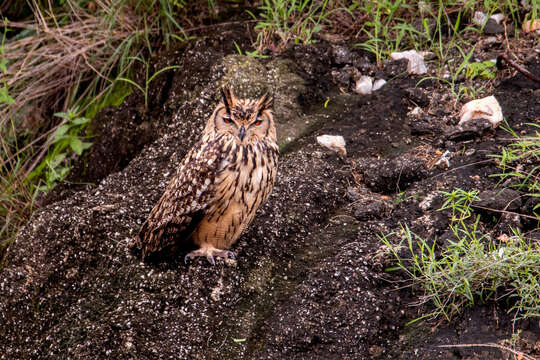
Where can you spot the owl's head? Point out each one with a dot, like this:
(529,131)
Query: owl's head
(248,121)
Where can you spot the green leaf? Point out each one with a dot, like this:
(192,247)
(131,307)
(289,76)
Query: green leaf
(56,160)
(80,121)
(60,132)
(3,66)
(62,115)
(77,145)
(4,96)
(239,340)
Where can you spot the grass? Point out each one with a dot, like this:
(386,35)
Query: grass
(470,270)
(65,60)
(519,161)
(147,78)
(473,267)
(281,22)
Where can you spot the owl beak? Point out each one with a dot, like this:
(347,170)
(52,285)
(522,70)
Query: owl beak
(242,133)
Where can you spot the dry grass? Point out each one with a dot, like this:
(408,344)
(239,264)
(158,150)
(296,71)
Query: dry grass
(65,50)
(54,62)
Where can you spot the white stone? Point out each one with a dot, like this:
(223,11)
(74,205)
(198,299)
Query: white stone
(364,85)
(333,142)
(486,108)
(416,61)
(479,18)
(379,83)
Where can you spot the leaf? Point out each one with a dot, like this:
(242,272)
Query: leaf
(77,145)
(4,96)
(239,340)
(3,66)
(62,115)
(60,132)
(80,121)
(57,160)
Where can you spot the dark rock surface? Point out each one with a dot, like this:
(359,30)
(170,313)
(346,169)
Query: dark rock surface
(309,279)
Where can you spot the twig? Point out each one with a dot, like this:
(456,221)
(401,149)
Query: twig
(518,67)
(492,345)
(505,212)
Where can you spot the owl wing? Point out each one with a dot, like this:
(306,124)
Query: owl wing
(182,206)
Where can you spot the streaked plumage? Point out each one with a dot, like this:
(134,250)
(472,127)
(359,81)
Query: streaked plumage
(220,183)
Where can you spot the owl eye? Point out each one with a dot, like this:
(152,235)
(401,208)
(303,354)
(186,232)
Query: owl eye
(258,122)
(227,119)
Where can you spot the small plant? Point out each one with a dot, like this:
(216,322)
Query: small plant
(520,161)
(484,70)
(384,37)
(471,269)
(253,54)
(290,20)
(147,77)
(66,139)
(459,201)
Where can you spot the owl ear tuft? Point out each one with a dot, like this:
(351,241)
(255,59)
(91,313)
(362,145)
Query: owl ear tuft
(228,97)
(266,101)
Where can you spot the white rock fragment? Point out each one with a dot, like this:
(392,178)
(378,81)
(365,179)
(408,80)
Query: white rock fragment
(378,84)
(486,108)
(364,85)
(479,18)
(444,161)
(333,142)
(499,17)
(416,61)
(415,112)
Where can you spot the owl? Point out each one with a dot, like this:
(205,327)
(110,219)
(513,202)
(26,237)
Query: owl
(219,184)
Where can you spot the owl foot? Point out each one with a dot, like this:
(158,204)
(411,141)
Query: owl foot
(209,253)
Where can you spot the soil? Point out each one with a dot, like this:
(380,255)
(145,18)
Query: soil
(309,279)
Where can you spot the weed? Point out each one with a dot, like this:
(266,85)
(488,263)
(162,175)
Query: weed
(471,269)
(459,201)
(484,70)
(147,78)
(519,161)
(290,20)
(65,140)
(255,53)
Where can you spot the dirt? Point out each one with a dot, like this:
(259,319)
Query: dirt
(309,281)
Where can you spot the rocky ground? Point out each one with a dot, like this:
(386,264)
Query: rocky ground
(308,281)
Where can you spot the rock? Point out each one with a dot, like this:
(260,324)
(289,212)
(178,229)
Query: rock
(492,202)
(531,25)
(341,55)
(364,85)
(394,174)
(485,108)
(493,28)
(395,67)
(469,130)
(377,84)
(415,63)
(370,208)
(334,143)
(417,96)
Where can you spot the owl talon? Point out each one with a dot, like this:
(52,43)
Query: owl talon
(209,254)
